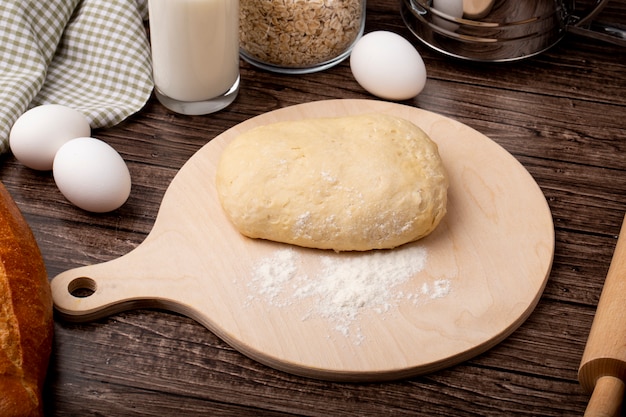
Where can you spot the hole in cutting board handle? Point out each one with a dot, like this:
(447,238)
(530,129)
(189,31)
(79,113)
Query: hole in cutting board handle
(82,287)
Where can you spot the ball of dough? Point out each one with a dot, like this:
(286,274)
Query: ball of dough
(351,183)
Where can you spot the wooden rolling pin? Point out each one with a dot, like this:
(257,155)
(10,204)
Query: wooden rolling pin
(602,369)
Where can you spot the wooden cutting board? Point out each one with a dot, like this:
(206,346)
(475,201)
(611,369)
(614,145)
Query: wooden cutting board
(482,270)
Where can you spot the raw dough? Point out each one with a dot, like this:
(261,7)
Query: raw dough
(350,183)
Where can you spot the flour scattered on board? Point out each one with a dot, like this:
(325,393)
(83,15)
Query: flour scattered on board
(345,285)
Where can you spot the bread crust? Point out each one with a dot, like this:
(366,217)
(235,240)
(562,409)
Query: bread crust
(26,318)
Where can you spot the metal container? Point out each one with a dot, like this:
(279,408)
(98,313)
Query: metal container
(494,30)
(299,36)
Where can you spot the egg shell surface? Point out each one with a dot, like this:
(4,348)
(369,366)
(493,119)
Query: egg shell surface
(453,8)
(91,175)
(388,66)
(37,135)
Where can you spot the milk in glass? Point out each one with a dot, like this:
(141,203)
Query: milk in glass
(195,53)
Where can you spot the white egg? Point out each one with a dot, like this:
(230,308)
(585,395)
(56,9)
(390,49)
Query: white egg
(91,175)
(451,10)
(38,133)
(388,66)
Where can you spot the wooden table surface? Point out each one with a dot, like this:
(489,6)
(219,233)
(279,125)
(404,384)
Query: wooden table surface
(561,114)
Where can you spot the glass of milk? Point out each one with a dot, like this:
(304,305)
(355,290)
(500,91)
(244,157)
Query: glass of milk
(195,53)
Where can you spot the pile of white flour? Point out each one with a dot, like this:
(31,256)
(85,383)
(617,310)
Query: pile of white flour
(345,285)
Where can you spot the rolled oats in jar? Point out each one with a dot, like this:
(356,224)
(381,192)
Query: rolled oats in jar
(299,36)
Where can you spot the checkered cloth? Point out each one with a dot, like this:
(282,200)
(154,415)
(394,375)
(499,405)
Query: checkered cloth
(92,55)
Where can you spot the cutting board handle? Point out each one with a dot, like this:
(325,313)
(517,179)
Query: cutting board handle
(92,292)
(143,278)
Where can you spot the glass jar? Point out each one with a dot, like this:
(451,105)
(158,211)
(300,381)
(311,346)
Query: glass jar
(299,36)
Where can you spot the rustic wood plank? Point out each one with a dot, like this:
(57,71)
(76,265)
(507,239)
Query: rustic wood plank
(183,359)
(561,114)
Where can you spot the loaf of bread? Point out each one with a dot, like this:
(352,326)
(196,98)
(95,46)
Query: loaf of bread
(26,324)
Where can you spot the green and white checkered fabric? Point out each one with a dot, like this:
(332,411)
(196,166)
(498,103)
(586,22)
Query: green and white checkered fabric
(92,55)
